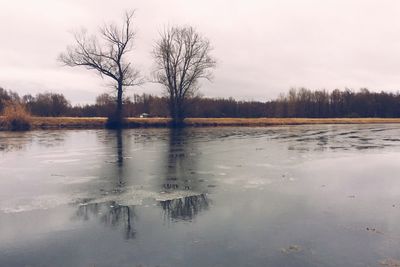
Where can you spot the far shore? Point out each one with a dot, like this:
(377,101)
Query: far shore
(99,122)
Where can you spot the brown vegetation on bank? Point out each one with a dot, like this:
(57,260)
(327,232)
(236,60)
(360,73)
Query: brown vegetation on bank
(99,122)
(15,118)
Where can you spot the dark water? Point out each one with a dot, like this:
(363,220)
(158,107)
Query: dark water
(280,196)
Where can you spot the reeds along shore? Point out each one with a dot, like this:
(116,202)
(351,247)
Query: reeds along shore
(99,122)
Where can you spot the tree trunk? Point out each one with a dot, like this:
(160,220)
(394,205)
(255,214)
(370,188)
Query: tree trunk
(115,121)
(176,113)
(119,104)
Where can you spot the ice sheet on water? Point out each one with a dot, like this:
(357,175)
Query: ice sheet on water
(136,195)
(60,154)
(132,196)
(223,167)
(51,161)
(62,179)
(42,202)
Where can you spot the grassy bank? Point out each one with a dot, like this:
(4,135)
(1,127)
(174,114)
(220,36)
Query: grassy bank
(93,123)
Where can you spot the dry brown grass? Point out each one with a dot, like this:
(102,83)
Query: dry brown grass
(15,118)
(68,122)
(284,121)
(99,122)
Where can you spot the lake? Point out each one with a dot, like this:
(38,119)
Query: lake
(322,195)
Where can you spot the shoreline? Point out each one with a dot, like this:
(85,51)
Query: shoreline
(99,122)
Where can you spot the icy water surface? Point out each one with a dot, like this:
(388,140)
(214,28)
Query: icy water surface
(280,196)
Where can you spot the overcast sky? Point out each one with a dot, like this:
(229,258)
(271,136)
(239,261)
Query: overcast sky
(262,47)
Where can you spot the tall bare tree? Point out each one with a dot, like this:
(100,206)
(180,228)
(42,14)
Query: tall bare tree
(106,54)
(182,57)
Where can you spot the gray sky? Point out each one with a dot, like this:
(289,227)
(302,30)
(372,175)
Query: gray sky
(263,48)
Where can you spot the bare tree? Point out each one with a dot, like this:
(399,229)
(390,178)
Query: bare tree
(107,54)
(182,57)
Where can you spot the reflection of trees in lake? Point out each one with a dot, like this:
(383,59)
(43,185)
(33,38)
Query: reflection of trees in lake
(110,214)
(120,159)
(113,168)
(181,174)
(185,208)
(180,164)
(120,148)
(178,185)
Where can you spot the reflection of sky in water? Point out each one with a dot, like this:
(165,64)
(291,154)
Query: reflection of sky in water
(280,196)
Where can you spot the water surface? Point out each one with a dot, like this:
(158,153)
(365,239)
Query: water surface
(326,195)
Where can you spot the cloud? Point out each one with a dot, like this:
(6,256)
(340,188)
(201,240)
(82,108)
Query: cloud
(262,47)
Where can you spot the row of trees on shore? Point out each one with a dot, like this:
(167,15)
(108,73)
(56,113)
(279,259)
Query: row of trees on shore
(296,103)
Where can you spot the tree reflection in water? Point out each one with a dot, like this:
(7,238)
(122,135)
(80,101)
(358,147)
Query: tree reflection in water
(110,214)
(181,174)
(185,208)
(180,193)
(120,161)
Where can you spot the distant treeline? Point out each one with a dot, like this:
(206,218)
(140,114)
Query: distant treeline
(345,103)
(296,103)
